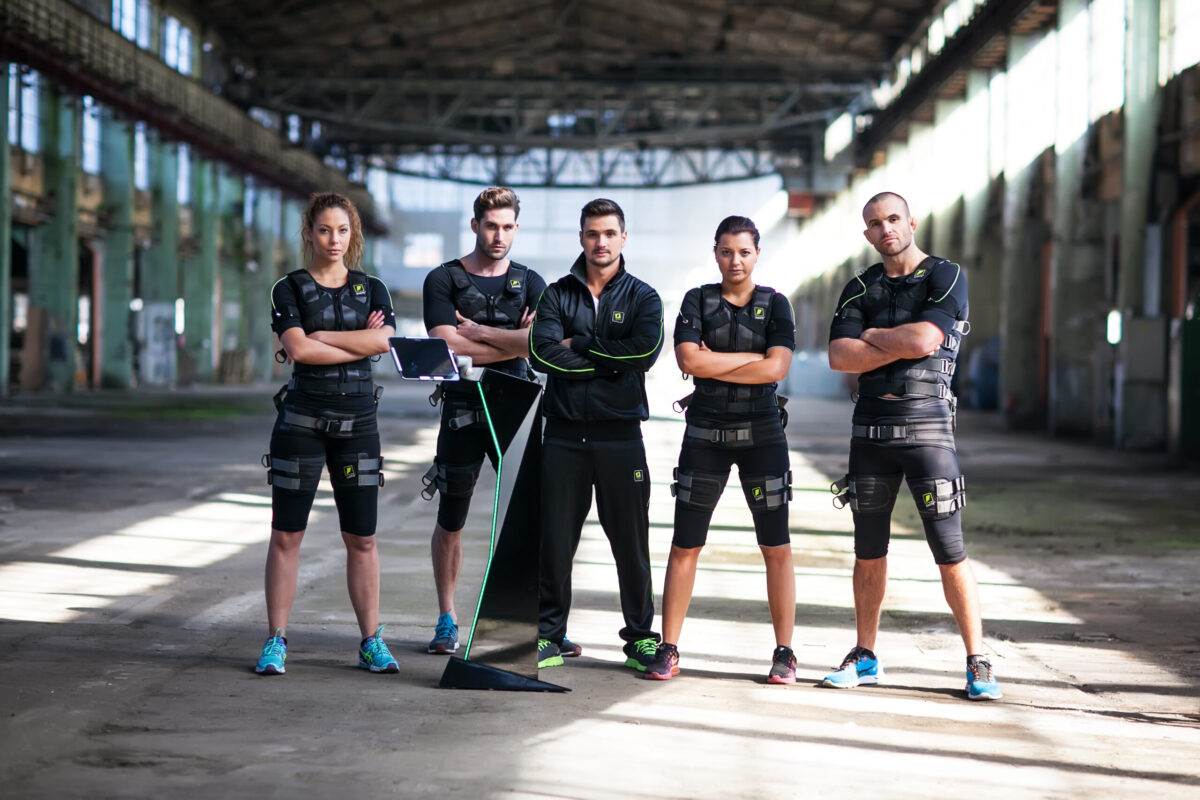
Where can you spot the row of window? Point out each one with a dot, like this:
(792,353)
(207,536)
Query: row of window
(1179,37)
(24,131)
(134,19)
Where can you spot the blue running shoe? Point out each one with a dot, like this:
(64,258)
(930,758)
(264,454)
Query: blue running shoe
(548,654)
(445,636)
(373,654)
(860,667)
(568,649)
(981,683)
(641,654)
(274,653)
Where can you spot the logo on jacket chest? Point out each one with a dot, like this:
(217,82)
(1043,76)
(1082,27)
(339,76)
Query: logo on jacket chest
(618,316)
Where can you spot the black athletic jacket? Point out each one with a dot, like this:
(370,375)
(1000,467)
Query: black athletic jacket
(601,377)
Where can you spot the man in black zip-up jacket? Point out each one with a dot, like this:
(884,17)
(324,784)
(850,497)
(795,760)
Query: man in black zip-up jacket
(596,332)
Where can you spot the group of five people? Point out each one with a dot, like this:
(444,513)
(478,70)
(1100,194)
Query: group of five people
(594,333)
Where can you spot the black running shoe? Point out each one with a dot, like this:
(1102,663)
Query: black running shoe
(783,666)
(665,664)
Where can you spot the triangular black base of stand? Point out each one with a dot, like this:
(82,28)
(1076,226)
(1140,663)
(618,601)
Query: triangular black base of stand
(461,674)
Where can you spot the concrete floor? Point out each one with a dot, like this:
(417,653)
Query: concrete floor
(132,534)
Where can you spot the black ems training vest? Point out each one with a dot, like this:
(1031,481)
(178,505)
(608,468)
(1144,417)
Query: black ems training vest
(498,312)
(503,311)
(726,331)
(345,309)
(887,304)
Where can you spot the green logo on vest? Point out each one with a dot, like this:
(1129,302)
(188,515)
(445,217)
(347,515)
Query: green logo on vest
(358,288)
(514,283)
(348,471)
(919,273)
(928,498)
(757,492)
(759,312)
(638,476)
(618,316)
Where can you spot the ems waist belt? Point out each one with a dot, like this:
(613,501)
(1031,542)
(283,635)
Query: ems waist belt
(922,431)
(877,387)
(331,423)
(739,435)
(717,403)
(304,383)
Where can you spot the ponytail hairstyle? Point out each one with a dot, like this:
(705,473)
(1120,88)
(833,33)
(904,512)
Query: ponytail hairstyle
(323,201)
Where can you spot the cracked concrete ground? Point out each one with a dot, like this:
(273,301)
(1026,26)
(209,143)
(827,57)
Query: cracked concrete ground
(132,536)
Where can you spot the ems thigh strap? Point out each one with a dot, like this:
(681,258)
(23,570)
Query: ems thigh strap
(938,498)
(767,492)
(301,473)
(866,494)
(698,489)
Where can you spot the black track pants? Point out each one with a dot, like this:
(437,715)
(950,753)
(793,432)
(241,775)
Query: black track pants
(617,470)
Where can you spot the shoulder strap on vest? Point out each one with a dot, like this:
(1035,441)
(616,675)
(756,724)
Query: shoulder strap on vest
(305,283)
(457,274)
(710,300)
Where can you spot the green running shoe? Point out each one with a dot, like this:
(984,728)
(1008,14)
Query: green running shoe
(373,654)
(640,654)
(548,654)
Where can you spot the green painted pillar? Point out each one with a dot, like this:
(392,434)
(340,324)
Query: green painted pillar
(369,250)
(260,341)
(231,275)
(200,275)
(5,237)
(116,290)
(160,272)
(1141,375)
(289,224)
(54,272)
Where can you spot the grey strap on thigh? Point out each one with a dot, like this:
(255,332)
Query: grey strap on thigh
(767,492)
(698,489)
(938,498)
(302,473)
(865,493)
(359,470)
(451,481)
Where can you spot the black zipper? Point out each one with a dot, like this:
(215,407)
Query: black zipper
(339,322)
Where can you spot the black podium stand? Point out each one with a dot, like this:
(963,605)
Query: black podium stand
(501,650)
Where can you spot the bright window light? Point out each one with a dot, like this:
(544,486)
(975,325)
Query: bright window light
(1113,328)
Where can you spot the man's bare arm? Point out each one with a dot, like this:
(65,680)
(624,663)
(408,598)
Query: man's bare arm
(857,355)
(514,343)
(911,340)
